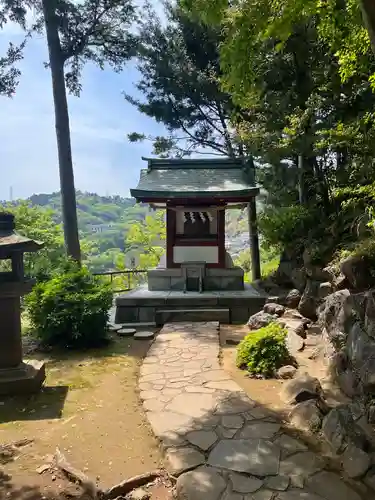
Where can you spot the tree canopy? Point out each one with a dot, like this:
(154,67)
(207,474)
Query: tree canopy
(180,86)
(347,27)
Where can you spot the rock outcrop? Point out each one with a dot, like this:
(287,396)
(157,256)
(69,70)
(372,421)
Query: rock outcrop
(340,309)
(348,322)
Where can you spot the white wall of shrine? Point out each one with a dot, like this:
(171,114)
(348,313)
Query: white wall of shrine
(208,254)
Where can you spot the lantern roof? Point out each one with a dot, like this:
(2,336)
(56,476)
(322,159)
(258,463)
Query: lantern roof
(223,178)
(11,241)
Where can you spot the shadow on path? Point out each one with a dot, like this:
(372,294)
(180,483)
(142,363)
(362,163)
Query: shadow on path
(221,444)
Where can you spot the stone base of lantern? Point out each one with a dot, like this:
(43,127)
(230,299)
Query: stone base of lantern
(27,378)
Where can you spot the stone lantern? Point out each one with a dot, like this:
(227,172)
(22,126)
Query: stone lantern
(16,376)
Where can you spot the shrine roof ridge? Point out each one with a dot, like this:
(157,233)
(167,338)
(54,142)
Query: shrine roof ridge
(198,163)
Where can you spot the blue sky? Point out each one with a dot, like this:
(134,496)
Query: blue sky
(104,161)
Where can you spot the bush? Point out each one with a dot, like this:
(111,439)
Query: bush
(70,309)
(264,351)
(282,226)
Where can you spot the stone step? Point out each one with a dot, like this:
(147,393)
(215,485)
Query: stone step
(149,324)
(179,315)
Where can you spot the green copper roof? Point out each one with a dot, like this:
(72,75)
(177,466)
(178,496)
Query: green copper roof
(194,178)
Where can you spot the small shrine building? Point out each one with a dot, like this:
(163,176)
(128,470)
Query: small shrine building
(195,194)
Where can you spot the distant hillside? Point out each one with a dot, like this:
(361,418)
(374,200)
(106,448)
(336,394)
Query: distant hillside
(104,220)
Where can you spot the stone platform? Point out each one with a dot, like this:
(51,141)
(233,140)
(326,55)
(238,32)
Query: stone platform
(27,378)
(143,305)
(218,442)
(215,279)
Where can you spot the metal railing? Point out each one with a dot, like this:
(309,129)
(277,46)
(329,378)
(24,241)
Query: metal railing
(126,280)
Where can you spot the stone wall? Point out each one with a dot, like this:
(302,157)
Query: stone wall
(342,302)
(348,322)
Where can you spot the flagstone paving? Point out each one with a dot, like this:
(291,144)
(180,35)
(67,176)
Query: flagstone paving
(220,443)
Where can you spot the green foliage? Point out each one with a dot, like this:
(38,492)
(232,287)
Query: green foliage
(148,237)
(70,310)
(38,224)
(103,223)
(364,248)
(300,73)
(269,261)
(263,351)
(269,267)
(282,227)
(248,23)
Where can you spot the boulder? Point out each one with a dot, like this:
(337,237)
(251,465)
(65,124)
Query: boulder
(309,300)
(302,388)
(333,315)
(294,323)
(293,298)
(307,257)
(260,319)
(313,329)
(286,372)
(355,462)
(370,313)
(290,270)
(367,431)
(306,416)
(356,270)
(331,272)
(273,300)
(297,315)
(298,278)
(316,273)
(298,327)
(274,309)
(357,409)
(341,283)
(325,289)
(370,479)
(361,353)
(347,383)
(334,428)
(340,429)
(138,494)
(294,343)
(371,414)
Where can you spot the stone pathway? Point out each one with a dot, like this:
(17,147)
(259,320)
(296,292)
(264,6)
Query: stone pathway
(220,443)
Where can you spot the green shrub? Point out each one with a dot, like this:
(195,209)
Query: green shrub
(282,226)
(263,351)
(70,309)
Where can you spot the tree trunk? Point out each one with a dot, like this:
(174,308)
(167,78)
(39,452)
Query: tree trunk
(68,195)
(254,240)
(368,14)
(302,181)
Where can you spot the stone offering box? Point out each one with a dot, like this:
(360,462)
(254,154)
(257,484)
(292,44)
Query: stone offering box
(16,376)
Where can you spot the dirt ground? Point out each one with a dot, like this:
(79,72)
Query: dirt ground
(267,392)
(90,410)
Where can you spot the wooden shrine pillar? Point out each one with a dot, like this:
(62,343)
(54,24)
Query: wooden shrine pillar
(254,240)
